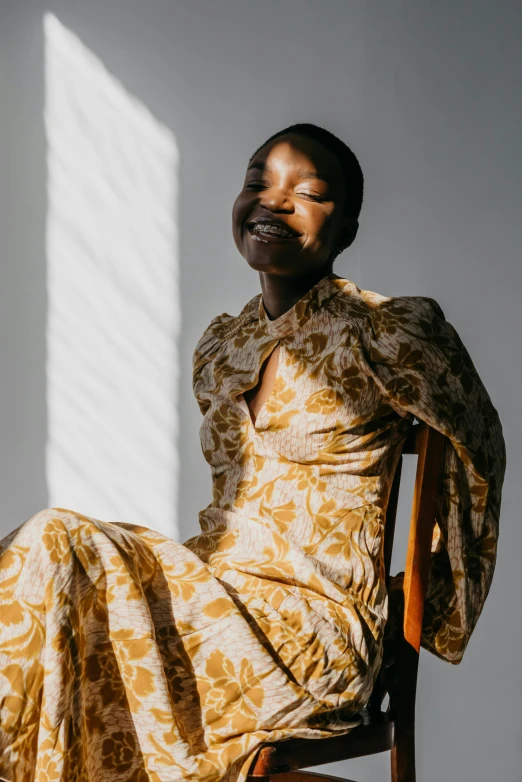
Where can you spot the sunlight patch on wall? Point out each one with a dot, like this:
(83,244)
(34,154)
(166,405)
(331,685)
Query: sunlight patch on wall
(113,294)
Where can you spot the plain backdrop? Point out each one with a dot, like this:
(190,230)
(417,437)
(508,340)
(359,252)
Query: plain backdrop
(428,96)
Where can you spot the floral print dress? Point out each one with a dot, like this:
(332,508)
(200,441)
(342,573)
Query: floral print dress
(127,657)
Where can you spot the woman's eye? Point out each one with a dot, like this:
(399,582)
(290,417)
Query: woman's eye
(313,196)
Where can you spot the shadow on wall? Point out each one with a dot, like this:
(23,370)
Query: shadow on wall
(113,317)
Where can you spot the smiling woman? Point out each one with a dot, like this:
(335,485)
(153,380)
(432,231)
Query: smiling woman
(302,195)
(127,656)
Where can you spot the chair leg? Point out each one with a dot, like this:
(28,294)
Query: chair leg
(403,756)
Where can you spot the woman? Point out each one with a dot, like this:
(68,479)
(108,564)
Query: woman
(126,656)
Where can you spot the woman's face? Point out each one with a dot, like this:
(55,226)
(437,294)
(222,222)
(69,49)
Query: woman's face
(289,216)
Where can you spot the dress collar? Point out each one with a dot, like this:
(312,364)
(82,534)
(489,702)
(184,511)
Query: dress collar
(294,318)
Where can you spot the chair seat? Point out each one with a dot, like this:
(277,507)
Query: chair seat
(376,734)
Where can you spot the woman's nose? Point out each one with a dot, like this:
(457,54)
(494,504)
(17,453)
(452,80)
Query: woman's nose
(276,200)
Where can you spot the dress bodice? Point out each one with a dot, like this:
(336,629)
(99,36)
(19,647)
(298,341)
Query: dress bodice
(306,484)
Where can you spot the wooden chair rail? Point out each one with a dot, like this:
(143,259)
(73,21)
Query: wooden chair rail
(294,754)
(304,776)
(429,446)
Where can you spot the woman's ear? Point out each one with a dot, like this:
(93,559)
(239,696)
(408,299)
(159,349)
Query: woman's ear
(348,233)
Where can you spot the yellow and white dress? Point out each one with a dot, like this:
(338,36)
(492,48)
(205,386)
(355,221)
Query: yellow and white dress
(127,657)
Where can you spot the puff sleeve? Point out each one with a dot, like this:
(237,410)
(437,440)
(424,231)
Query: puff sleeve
(206,348)
(421,366)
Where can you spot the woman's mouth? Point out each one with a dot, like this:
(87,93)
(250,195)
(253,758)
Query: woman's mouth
(270,231)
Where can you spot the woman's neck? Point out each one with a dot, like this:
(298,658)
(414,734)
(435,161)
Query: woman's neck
(281,293)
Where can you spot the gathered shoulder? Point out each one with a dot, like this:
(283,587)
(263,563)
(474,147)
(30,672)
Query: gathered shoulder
(212,335)
(381,313)
(414,306)
(220,329)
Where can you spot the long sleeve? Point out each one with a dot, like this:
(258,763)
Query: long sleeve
(421,366)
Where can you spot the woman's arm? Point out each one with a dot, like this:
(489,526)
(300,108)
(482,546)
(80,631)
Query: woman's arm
(420,364)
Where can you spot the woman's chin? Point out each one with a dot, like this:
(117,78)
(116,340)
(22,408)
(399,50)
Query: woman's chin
(272,261)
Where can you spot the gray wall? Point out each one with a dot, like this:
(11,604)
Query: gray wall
(426,93)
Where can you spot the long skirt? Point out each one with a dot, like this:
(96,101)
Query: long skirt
(123,659)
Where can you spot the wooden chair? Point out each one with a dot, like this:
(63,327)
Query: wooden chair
(392,728)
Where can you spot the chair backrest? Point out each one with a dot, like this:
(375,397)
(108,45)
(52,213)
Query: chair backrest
(428,445)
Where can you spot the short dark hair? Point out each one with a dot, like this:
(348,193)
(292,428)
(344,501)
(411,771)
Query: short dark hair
(351,169)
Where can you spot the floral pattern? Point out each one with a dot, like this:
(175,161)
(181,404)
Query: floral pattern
(127,657)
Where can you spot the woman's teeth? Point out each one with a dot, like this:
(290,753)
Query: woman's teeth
(271,230)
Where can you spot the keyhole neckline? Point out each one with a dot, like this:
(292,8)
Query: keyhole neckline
(240,395)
